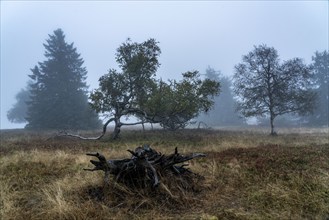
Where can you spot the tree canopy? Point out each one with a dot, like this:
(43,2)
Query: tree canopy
(59,97)
(264,86)
(174,104)
(134,91)
(123,93)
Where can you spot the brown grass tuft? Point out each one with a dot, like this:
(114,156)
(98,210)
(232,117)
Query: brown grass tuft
(247,175)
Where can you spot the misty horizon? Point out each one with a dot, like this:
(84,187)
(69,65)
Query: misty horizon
(191,35)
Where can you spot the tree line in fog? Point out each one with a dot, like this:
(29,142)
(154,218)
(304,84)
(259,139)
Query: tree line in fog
(262,86)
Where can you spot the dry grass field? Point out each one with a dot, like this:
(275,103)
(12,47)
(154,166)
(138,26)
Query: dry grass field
(246,175)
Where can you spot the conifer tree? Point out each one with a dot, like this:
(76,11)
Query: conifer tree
(59,97)
(223,112)
(320,67)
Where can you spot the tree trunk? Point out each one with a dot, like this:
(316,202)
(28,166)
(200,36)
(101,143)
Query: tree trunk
(272,124)
(117,128)
(143,126)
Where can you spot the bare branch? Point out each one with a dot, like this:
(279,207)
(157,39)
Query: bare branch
(66,134)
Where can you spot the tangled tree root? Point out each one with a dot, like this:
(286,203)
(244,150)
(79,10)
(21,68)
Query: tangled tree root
(147,179)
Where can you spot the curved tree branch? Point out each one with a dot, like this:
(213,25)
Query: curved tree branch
(66,134)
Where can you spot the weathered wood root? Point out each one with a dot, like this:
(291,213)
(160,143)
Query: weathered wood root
(144,168)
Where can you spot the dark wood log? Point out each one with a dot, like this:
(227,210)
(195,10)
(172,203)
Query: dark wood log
(144,168)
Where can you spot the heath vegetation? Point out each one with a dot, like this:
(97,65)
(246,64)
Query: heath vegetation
(246,175)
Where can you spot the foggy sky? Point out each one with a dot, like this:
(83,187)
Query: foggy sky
(192,34)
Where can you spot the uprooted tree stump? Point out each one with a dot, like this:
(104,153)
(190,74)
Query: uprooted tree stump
(146,168)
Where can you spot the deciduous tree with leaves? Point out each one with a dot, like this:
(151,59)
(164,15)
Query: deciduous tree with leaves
(124,93)
(174,104)
(265,86)
(134,91)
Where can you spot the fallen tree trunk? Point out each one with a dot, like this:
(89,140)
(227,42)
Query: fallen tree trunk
(145,167)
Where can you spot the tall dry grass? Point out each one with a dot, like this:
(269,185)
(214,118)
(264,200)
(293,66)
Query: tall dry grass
(247,175)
